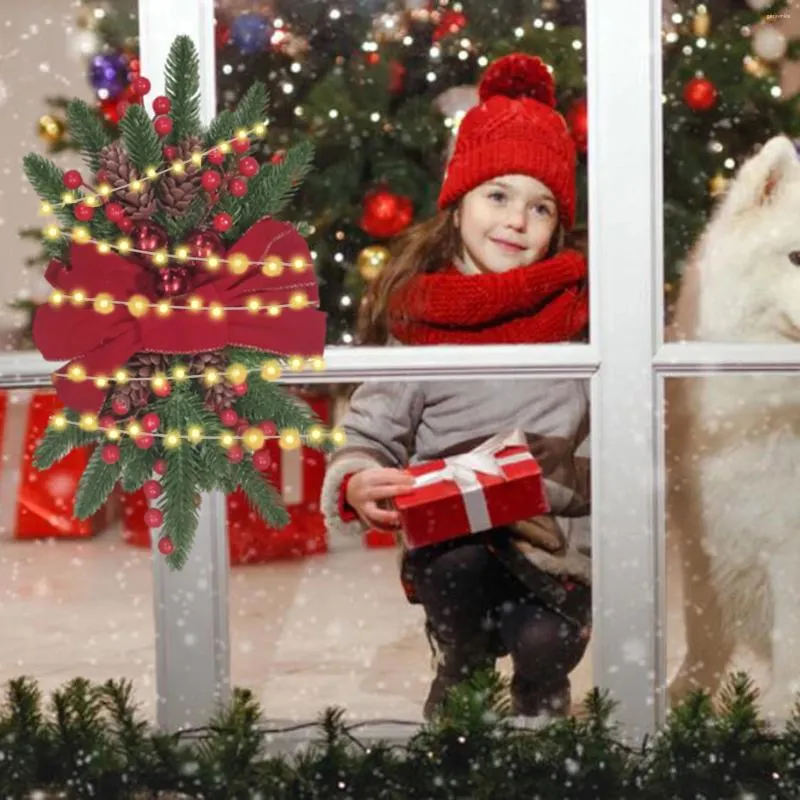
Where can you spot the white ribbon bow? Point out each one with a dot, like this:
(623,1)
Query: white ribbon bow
(463,469)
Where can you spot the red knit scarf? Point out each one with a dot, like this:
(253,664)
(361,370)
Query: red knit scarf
(544,302)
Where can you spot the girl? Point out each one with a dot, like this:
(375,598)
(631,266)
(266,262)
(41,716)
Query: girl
(488,269)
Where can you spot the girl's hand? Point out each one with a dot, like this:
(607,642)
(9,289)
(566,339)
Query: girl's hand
(370,486)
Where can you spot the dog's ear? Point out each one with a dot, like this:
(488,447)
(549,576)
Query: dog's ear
(761,176)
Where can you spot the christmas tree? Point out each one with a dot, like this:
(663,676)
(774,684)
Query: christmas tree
(178,299)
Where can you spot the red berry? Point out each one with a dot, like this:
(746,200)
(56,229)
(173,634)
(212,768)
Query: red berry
(126,225)
(72,179)
(134,65)
(242,426)
(150,422)
(170,152)
(261,460)
(238,187)
(160,467)
(248,166)
(228,417)
(164,390)
(153,518)
(107,422)
(240,145)
(110,454)
(211,180)
(102,176)
(269,428)
(277,156)
(83,213)
(114,212)
(216,156)
(151,489)
(240,389)
(163,125)
(162,105)
(122,107)
(222,222)
(144,441)
(140,86)
(120,407)
(165,546)
(235,454)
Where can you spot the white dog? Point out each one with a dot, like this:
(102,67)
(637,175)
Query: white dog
(733,441)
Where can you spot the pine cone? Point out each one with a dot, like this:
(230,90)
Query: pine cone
(136,393)
(177,192)
(221,395)
(116,163)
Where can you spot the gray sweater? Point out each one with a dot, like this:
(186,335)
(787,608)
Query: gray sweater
(398,424)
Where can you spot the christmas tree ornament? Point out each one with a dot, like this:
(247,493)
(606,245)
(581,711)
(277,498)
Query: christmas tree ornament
(756,67)
(131,349)
(385,214)
(769,42)
(700,94)
(451,23)
(108,74)
(251,32)
(717,185)
(371,261)
(51,129)
(701,22)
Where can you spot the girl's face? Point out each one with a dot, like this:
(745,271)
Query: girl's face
(506,223)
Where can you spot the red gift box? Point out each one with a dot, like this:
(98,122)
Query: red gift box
(33,503)
(497,483)
(299,474)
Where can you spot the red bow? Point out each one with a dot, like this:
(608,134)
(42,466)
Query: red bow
(102,343)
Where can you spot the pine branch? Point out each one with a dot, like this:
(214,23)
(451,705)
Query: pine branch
(183,89)
(137,465)
(252,108)
(140,138)
(222,128)
(262,495)
(57,444)
(178,227)
(88,131)
(96,484)
(48,182)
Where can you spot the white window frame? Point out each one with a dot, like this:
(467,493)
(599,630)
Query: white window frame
(627,362)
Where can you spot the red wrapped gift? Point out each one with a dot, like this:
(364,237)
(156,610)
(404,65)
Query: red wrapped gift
(497,483)
(36,504)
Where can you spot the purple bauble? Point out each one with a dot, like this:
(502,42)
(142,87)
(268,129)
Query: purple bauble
(108,72)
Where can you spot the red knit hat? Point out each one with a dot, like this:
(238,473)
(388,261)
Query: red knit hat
(514,130)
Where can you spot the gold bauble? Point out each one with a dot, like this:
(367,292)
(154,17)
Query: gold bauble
(371,260)
(718,184)
(701,23)
(51,129)
(754,66)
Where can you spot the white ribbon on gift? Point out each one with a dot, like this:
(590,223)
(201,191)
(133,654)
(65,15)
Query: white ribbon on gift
(463,469)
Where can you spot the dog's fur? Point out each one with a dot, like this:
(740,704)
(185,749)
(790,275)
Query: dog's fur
(733,440)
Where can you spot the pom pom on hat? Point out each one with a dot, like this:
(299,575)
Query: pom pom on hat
(518,75)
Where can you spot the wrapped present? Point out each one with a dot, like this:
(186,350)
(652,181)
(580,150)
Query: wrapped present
(298,473)
(497,483)
(36,504)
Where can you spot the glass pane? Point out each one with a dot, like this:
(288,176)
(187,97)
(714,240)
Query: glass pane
(728,93)
(732,516)
(330,611)
(381,89)
(77,601)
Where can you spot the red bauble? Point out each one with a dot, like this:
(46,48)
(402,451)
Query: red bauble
(141,86)
(72,179)
(450,23)
(163,125)
(240,145)
(222,222)
(261,460)
(700,94)
(248,166)
(204,244)
(211,180)
(269,428)
(372,58)
(228,417)
(110,454)
(215,156)
(144,441)
(153,518)
(110,111)
(240,389)
(151,422)
(238,187)
(160,467)
(385,214)
(162,391)
(83,213)
(165,545)
(149,237)
(578,122)
(121,406)
(235,454)
(397,77)
(162,105)
(152,489)
(222,34)
(114,212)
(172,281)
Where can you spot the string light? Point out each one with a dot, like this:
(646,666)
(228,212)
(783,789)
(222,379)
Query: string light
(177,167)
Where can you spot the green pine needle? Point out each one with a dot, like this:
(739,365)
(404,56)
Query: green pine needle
(48,182)
(263,497)
(88,131)
(140,138)
(183,89)
(57,444)
(96,484)
(137,465)
(252,108)
(222,128)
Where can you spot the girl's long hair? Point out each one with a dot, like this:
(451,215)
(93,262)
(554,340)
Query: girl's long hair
(427,246)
